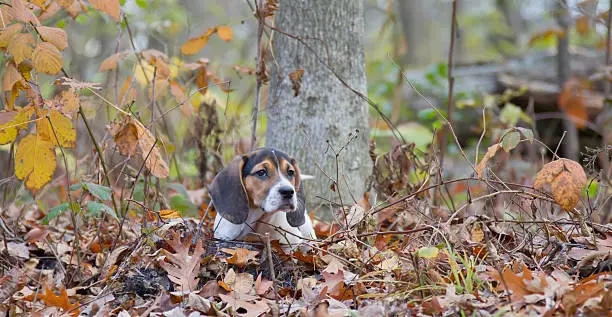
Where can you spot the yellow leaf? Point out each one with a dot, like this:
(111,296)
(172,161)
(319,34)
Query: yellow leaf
(66,134)
(110,7)
(546,35)
(55,36)
(20,47)
(8,32)
(11,77)
(225,33)
(179,93)
(564,179)
(35,161)
(169,214)
(10,124)
(143,74)
(112,61)
(483,163)
(47,58)
(194,44)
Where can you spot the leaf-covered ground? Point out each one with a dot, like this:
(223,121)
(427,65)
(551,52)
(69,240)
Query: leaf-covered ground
(362,266)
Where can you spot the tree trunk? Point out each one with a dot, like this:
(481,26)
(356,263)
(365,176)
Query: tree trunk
(325,110)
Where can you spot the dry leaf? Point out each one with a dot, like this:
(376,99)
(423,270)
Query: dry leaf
(182,267)
(240,256)
(573,100)
(202,80)
(546,35)
(126,138)
(564,179)
(296,81)
(179,93)
(11,77)
(20,46)
(161,86)
(225,33)
(67,101)
(169,214)
(583,25)
(131,95)
(490,153)
(112,61)
(35,161)
(110,7)
(47,58)
(55,36)
(8,32)
(50,299)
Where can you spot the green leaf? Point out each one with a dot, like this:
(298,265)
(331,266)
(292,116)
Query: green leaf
(54,212)
(427,252)
(179,188)
(526,133)
(182,204)
(142,3)
(510,114)
(100,192)
(95,208)
(76,186)
(427,114)
(510,140)
(443,70)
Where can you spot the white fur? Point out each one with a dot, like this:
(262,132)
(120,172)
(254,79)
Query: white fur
(268,218)
(274,199)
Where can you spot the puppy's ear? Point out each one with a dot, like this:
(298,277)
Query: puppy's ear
(298,217)
(228,193)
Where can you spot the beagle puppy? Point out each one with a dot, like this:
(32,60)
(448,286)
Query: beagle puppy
(261,192)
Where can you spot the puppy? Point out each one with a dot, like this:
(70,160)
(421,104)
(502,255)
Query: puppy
(261,192)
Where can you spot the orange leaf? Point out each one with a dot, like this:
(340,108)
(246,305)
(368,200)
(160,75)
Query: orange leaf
(20,46)
(131,95)
(55,36)
(225,33)
(110,7)
(490,153)
(240,256)
(296,80)
(169,214)
(11,77)
(202,80)
(573,100)
(47,58)
(564,179)
(112,61)
(195,44)
(179,93)
(50,299)
(8,32)
(582,25)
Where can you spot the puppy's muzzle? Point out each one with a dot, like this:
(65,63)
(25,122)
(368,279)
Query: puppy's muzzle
(286,192)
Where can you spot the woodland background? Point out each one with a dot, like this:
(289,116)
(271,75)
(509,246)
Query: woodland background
(478,182)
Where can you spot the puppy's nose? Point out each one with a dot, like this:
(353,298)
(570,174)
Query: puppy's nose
(286,192)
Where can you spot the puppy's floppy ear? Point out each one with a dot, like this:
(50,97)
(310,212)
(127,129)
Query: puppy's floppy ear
(298,217)
(228,193)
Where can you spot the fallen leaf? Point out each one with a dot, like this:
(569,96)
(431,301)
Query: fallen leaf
(169,214)
(182,267)
(240,256)
(48,297)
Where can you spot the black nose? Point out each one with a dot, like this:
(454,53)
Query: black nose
(286,192)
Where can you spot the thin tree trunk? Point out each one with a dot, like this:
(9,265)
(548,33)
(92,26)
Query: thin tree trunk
(571,142)
(325,112)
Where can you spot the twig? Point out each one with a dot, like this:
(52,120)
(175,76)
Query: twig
(258,73)
(451,82)
(75,225)
(271,265)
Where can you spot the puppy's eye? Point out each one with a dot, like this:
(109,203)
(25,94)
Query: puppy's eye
(261,173)
(291,173)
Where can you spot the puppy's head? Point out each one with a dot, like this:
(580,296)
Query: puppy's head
(265,178)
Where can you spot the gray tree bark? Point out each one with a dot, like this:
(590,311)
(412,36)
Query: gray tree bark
(325,110)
